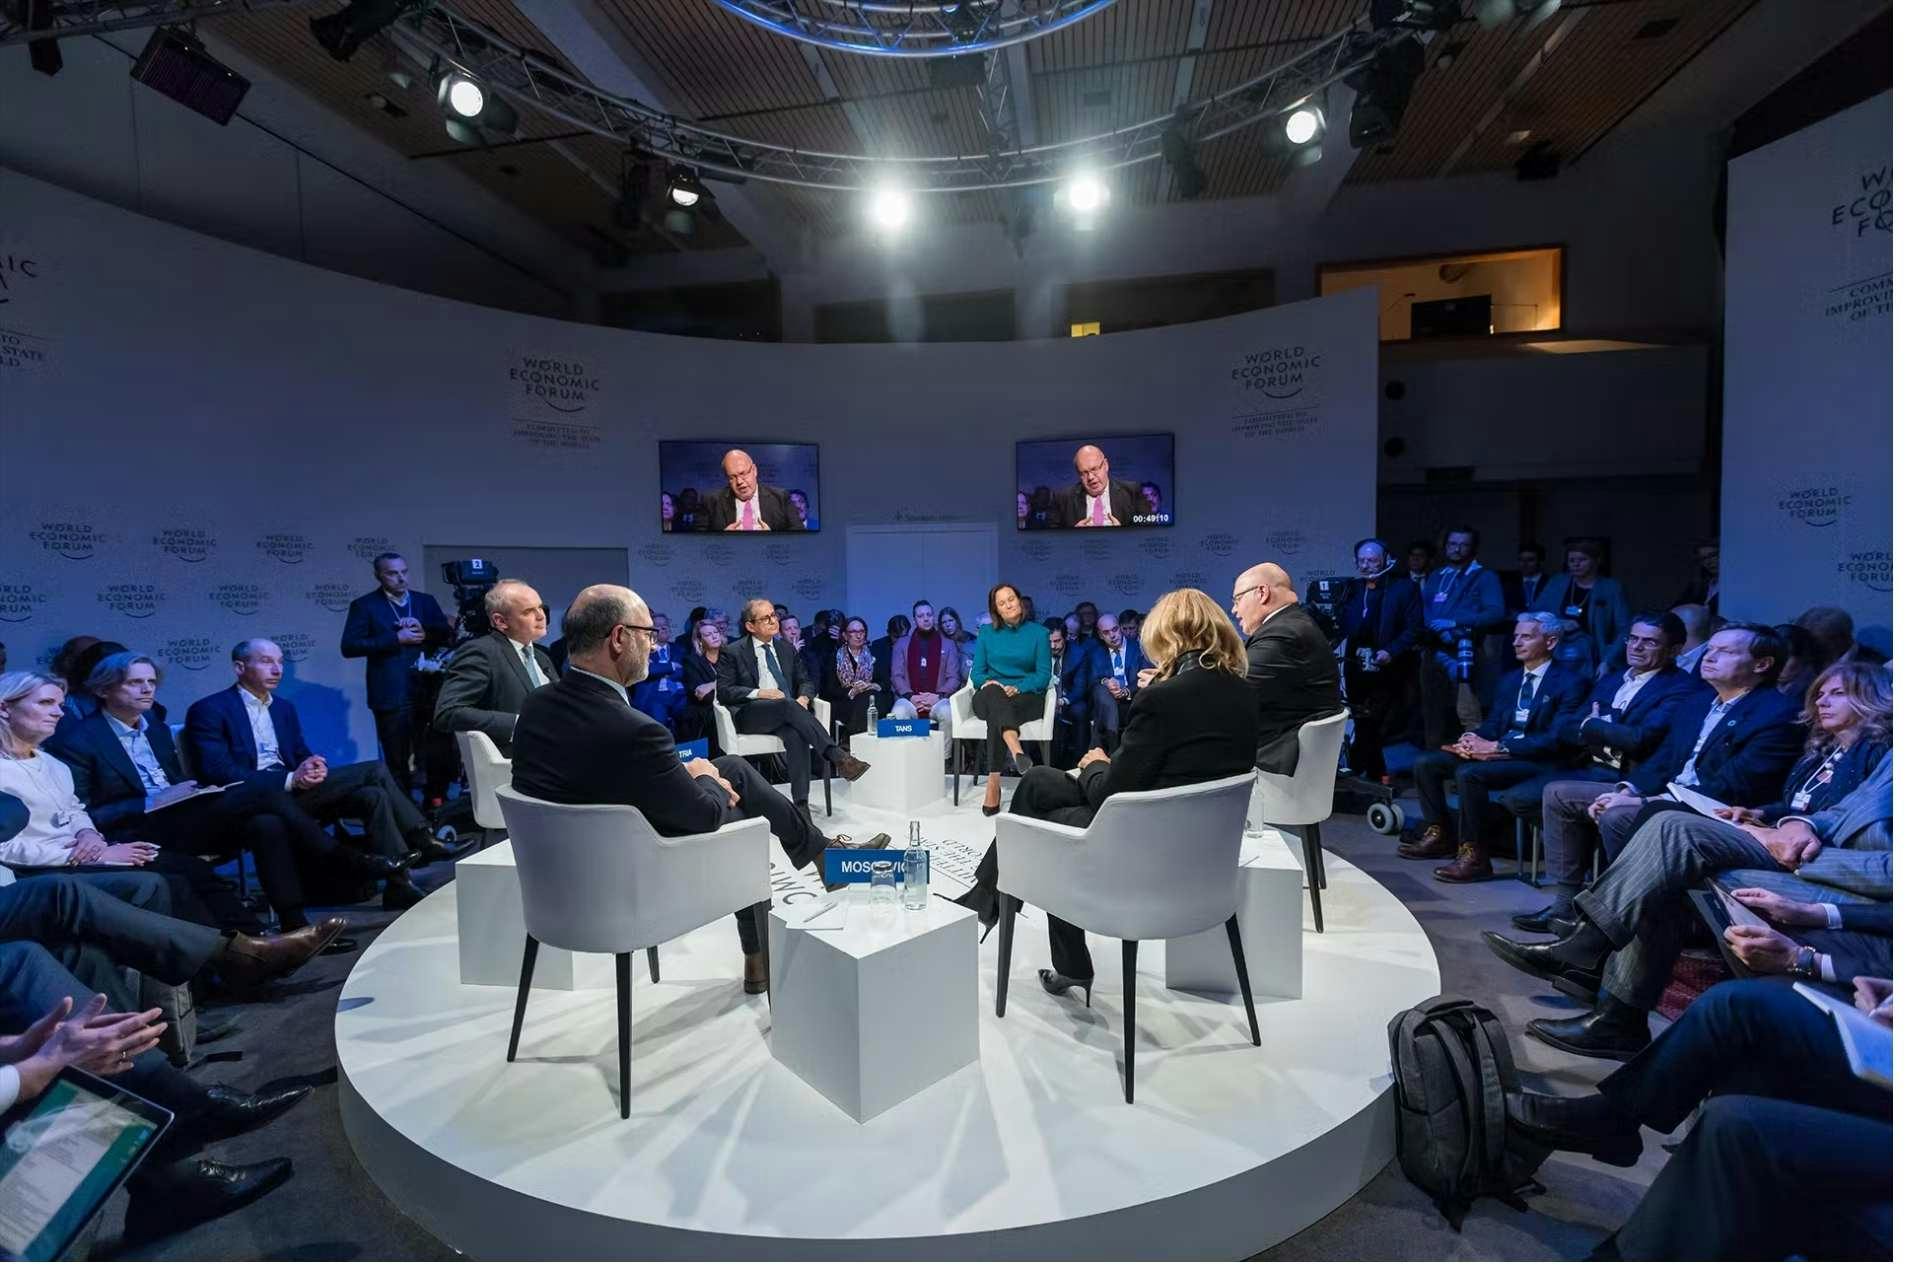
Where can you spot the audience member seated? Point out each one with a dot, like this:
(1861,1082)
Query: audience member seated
(1130,620)
(857,677)
(1832,631)
(822,653)
(78,666)
(490,676)
(1012,667)
(1087,613)
(246,734)
(1700,623)
(1381,622)
(1520,739)
(1593,606)
(1522,584)
(662,692)
(683,644)
(897,627)
(1115,664)
(1073,681)
(1792,1156)
(1832,825)
(137,791)
(1704,589)
(1459,601)
(393,627)
(702,678)
(1289,663)
(1802,662)
(925,670)
(582,743)
(1197,721)
(1625,722)
(963,639)
(765,685)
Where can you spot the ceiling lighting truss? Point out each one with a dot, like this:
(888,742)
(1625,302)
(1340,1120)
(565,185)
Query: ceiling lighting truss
(96,17)
(894,29)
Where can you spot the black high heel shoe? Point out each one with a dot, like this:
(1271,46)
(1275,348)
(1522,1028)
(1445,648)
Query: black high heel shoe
(1057,985)
(984,903)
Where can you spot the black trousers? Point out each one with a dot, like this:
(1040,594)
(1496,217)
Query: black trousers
(1109,715)
(1378,699)
(851,711)
(1050,795)
(365,791)
(1439,700)
(804,737)
(406,733)
(792,826)
(99,911)
(1003,711)
(260,816)
(1474,780)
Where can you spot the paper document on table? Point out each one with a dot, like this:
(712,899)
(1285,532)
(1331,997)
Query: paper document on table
(1869,1045)
(825,916)
(192,795)
(1699,803)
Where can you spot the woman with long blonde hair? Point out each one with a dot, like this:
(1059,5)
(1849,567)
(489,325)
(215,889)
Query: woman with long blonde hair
(1195,721)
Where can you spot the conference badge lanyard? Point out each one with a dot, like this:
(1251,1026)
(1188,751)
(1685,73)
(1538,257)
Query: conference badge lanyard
(1819,781)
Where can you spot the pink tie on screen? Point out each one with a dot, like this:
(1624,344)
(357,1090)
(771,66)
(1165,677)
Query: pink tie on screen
(1099,512)
(746,519)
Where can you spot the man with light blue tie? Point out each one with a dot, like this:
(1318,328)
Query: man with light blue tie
(490,676)
(761,679)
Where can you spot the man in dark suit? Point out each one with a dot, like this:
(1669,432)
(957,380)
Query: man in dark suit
(1381,620)
(392,627)
(766,686)
(1625,722)
(1289,663)
(136,788)
(1523,583)
(1519,739)
(1073,677)
(1792,1155)
(581,742)
(745,505)
(490,676)
(245,734)
(1114,666)
(1098,500)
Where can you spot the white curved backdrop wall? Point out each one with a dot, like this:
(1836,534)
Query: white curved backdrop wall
(204,443)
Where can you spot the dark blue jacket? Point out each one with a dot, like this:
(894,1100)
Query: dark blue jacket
(1642,727)
(1745,760)
(103,775)
(1854,767)
(1394,612)
(1076,681)
(372,633)
(1100,663)
(219,737)
(1562,693)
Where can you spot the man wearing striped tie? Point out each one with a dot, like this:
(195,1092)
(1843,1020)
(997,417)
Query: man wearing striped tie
(491,675)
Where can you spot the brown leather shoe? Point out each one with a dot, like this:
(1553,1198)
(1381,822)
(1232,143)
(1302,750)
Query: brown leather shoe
(851,768)
(756,973)
(1472,864)
(1434,842)
(253,962)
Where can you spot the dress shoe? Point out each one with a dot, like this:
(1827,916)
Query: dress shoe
(1579,984)
(1590,1125)
(401,893)
(851,768)
(880,841)
(1613,1030)
(433,849)
(375,866)
(1470,865)
(1585,949)
(174,1197)
(756,981)
(1541,921)
(1434,842)
(230,1112)
(1563,926)
(1058,984)
(989,809)
(253,962)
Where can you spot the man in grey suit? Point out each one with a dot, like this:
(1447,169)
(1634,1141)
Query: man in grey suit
(1289,663)
(491,676)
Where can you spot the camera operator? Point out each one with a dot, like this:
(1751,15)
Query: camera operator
(490,677)
(1381,620)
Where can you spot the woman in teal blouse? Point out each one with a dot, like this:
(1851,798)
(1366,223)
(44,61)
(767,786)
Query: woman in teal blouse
(1012,667)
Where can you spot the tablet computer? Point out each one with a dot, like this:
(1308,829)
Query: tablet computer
(61,1160)
(1720,911)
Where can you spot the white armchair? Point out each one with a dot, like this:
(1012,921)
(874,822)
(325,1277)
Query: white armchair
(487,771)
(729,741)
(964,726)
(1154,864)
(598,878)
(1305,800)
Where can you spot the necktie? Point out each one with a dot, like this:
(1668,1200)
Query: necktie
(748,515)
(773,665)
(1099,512)
(1526,689)
(533,667)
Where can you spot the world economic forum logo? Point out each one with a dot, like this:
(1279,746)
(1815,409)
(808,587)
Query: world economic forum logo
(243,599)
(18,600)
(70,539)
(132,599)
(295,646)
(16,269)
(1815,506)
(1870,569)
(561,384)
(287,548)
(1278,373)
(189,653)
(334,597)
(186,544)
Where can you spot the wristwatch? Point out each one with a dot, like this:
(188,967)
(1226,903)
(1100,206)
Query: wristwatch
(1806,963)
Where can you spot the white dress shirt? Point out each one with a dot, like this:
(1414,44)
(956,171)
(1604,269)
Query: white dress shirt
(1715,714)
(615,685)
(133,741)
(763,658)
(54,813)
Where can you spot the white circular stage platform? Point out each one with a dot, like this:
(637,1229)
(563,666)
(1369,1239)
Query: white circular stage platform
(1029,1153)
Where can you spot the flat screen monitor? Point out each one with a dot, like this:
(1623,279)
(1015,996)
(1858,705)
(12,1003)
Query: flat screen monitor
(739,486)
(1084,482)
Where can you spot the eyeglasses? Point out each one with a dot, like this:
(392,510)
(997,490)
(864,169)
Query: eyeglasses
(1255,587)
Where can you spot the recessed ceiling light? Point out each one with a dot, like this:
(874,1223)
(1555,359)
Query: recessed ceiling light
(1518,136)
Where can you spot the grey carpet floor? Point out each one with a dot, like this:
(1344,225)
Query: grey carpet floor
(331,1211)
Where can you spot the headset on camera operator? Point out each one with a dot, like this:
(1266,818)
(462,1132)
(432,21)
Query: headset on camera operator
(491,675)
(1380,618)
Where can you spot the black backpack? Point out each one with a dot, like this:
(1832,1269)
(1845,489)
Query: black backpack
(1452,1070)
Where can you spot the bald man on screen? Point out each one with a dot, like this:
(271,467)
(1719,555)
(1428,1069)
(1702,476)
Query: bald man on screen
(1097,500)
(745,505)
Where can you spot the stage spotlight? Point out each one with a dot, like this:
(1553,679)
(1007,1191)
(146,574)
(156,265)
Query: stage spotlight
(683,187)
(341,34)
(1304,125)
(1088,193)
(889,209)
(461,95)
